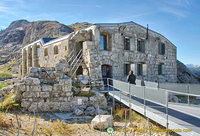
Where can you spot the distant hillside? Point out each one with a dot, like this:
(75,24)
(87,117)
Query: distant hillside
(194,68)
(22,32)
(185,75)
(79,26)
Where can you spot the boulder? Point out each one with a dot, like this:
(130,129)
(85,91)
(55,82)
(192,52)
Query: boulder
(103,112)
(34,70)
(84,82)
(78,112)
(172,98)
(90,111)
(46,88)
(85,90)
(31,81)
(98,100)
(62,67)
(102,122)
(83,79)
(7,89)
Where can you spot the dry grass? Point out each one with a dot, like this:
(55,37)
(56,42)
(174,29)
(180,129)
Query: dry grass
(7,66)
(139,123)
(9,125)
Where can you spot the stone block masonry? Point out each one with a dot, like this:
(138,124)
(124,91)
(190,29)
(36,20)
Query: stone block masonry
(43,91)
(45,97)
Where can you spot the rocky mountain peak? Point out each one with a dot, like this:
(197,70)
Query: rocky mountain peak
(18,24)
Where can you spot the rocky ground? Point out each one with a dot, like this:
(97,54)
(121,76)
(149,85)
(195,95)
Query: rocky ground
(58,128)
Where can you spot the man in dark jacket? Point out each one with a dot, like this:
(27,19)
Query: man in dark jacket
(131,77)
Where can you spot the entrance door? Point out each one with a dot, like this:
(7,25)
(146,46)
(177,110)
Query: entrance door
(106,73)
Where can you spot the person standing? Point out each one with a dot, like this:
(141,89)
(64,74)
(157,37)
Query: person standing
(131,77)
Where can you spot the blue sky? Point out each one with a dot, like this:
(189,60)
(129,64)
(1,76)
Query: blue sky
(178,20)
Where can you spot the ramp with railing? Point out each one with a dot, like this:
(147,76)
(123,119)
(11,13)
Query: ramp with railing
(155,103)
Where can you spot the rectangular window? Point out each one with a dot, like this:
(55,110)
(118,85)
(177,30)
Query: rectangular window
(161,48)
(141,45)
(139,69)
(161,69)
(38,52)
(45,52)
(103,42)
(126,69)
(126,43)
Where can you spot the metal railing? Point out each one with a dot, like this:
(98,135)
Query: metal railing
(70,56)
(158,96)
(77,56)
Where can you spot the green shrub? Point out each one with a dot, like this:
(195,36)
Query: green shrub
(9,68)
(9,103)
(5,74)
(3,85)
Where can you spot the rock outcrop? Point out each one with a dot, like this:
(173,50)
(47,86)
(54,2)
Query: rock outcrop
(185,75)
(22,32)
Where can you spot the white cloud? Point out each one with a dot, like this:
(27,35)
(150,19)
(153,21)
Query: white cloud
(179,3)
(173,11)
(3,27)
(98,6)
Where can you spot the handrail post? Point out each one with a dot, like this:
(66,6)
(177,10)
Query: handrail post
(19,125)
(129,87)
(167,124)
(188,89)
(125,125)
(107,83)
(148,123)
(144,101)
(112,85)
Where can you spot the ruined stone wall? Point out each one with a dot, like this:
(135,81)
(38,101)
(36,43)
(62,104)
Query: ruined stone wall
(45,97)
(49,89)
(52,59)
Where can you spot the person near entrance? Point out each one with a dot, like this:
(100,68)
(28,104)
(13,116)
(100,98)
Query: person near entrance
(108,75)
(131,77)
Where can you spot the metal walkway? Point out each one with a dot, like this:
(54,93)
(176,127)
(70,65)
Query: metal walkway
(154,104)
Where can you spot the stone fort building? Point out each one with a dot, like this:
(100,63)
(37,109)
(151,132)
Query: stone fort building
(115,46)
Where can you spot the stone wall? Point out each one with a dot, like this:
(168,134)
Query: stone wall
(52,59)
(116,56)
(37,96)
(50,89)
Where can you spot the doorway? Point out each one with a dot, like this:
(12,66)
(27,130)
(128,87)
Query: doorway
(106,73)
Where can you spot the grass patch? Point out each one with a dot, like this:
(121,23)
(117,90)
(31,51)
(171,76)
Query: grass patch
(5,74)
(9,125)
(3,85)
(8,65)
(55,128)
(9,103)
